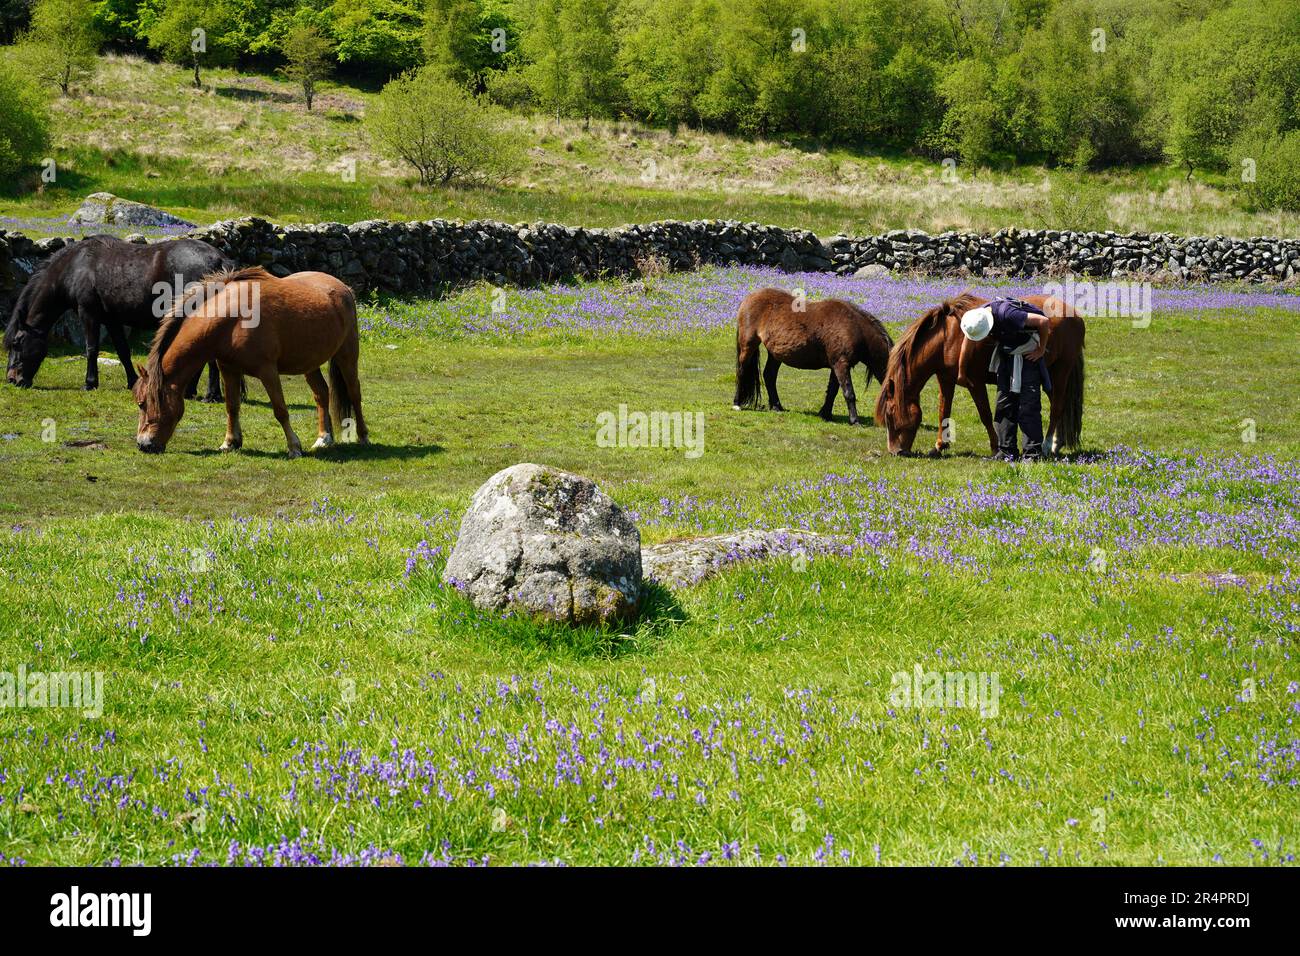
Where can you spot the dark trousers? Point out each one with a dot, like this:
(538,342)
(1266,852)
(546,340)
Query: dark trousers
(1023,411)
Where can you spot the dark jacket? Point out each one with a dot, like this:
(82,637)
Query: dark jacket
(1009,317)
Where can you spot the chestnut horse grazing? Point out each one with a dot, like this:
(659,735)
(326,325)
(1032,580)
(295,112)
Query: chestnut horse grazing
(934,345)
(252,323)
(830,334)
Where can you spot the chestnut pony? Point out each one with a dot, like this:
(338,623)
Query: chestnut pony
(252,323)
(831,334)
(934,345)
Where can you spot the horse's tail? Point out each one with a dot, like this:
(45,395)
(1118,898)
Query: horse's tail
(747,389)
(1071,422)
(340,397)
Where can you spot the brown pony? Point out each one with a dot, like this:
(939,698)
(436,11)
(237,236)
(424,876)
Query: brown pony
(255,324)
(830,334)
(934,345)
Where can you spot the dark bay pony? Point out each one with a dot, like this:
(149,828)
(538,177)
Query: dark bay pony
(934,345)
(109,282)
(831,334)
(252,323)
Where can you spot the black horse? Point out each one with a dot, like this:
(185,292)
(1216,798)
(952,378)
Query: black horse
(109,282)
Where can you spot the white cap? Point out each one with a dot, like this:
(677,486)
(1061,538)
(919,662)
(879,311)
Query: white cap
(977,323)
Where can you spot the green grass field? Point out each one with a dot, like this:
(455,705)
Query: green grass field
(286,679)
(244,145)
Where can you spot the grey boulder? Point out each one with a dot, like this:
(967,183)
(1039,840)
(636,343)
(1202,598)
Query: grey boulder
(548,543)
(684,562)
(109,210)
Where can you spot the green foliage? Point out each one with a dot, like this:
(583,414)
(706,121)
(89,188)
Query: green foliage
(119,21)
(60,47)
(572,52)
(467,40)
(665,80)
(1269,166)
(193,33)
(385,34)
(444,133)
(970,117)
(309,56)
(1233,71)
(24,121)
(766,78)
(992,81)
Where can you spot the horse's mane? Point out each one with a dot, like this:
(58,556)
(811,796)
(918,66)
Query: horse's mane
(37,279)
(884,341)
(900,359)
(170,324)
(876,324)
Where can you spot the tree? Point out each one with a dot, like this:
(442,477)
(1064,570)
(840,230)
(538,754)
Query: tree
(191,33)
(381,33)
(1234,71)
(309,54)
(545,69)
(591,55)
(972,120)
(24,121)
(573,49)
(667,56)
(447,135)
(467,39)
(62,44)
(766,79)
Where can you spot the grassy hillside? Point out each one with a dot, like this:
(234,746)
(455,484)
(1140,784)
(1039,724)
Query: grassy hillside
(245,145)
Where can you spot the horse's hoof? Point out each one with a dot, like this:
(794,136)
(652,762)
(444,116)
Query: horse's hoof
(735,408)
(778,408)
(295,452)
(228,446)
(324,441)
(90,386)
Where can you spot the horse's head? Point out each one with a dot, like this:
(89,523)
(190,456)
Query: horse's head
(27,351)
(161,406)
(899,412)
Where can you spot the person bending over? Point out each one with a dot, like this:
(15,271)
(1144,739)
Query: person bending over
(1021,333)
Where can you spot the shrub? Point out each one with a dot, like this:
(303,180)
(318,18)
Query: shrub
(445,134)
(24,121)
(1276,171)
(1073,202)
